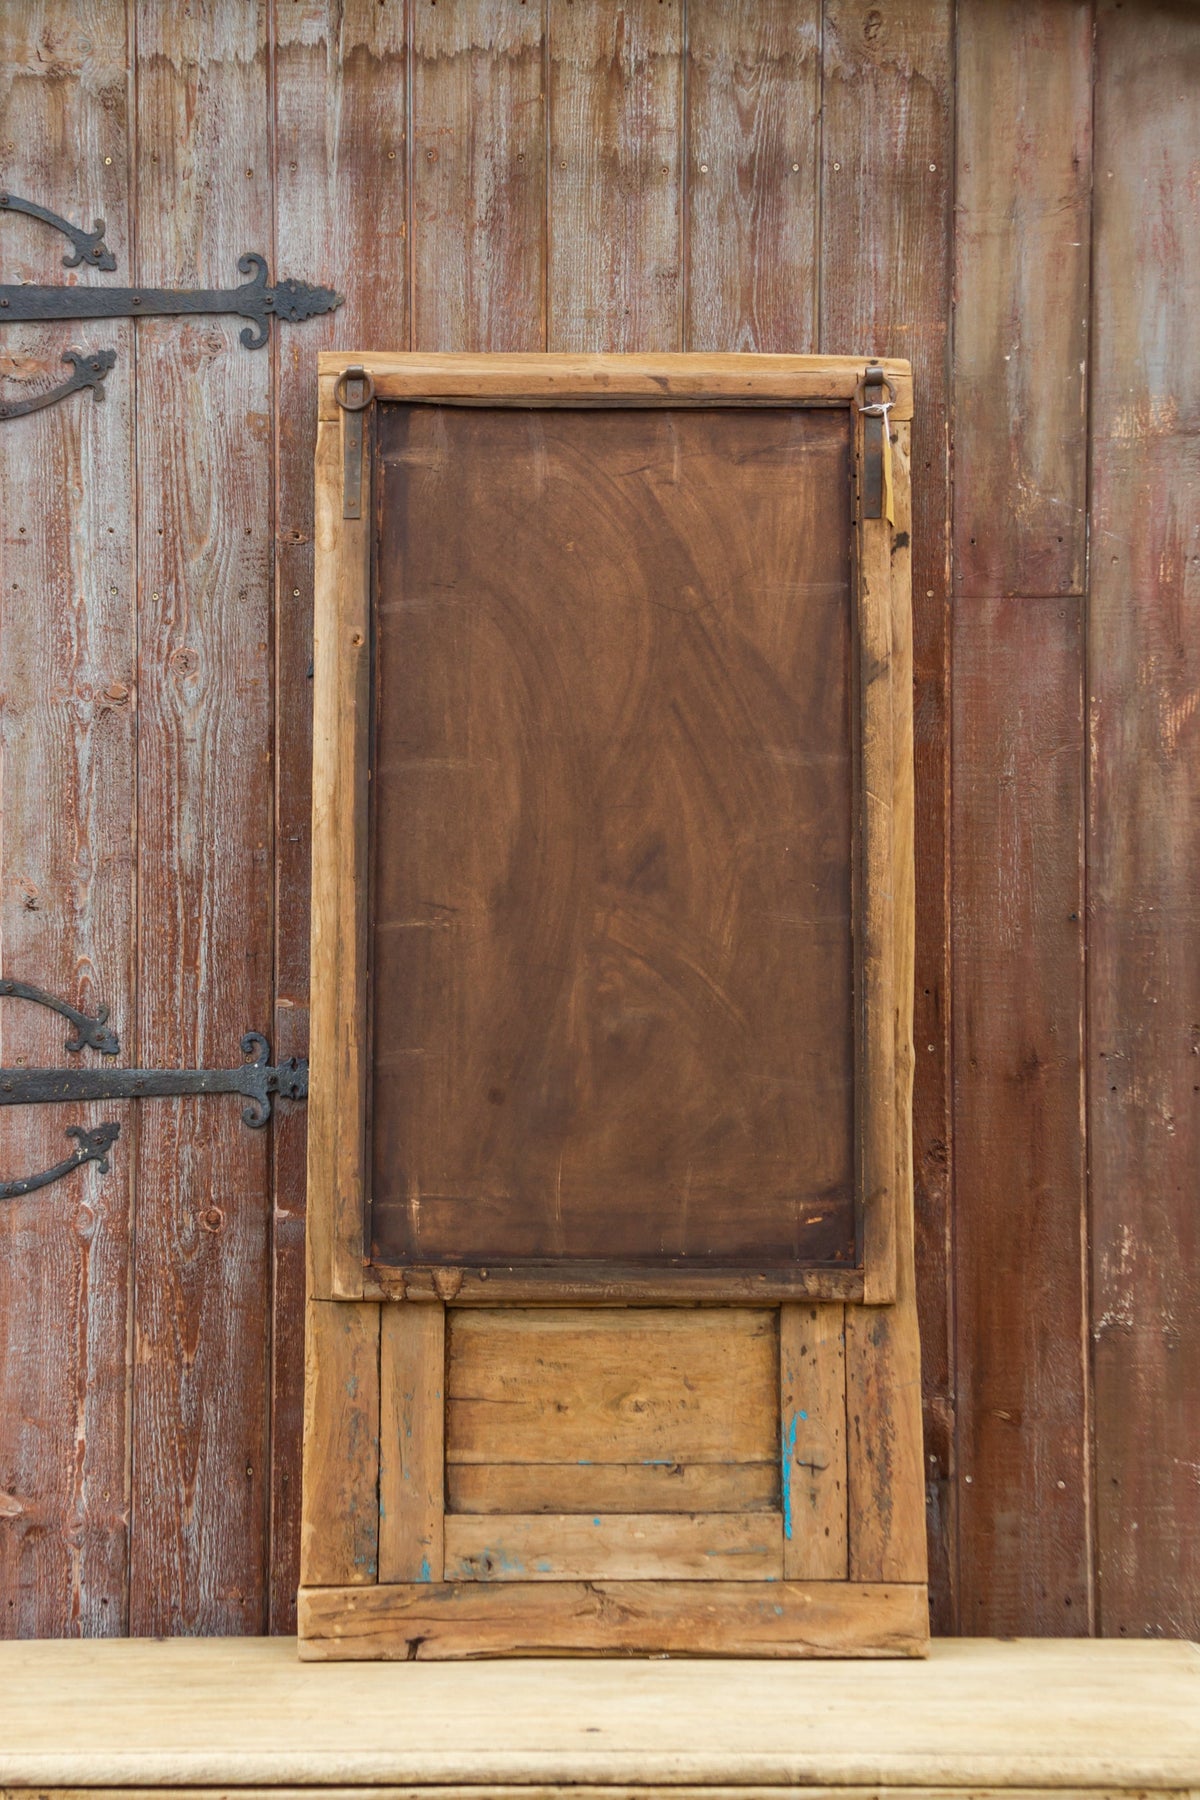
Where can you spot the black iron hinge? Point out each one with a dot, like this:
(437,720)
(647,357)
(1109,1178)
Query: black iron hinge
(258,1081)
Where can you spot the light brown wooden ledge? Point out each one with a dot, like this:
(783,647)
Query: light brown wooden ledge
(1087,1717)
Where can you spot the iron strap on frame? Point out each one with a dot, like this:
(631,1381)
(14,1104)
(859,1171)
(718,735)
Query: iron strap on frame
(258,1081)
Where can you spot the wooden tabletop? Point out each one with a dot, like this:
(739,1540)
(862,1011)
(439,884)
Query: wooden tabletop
(977,1714)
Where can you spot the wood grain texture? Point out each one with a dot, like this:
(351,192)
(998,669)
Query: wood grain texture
(1022,244)
(412,1446)
(751,133)
(1023,1499)
(886,264)
(478,177)
(658,1486)
(67,771)
(649,1547)
(883,1362)
(622,1385)
(614,103)
(341,1525)
(1144,800)
(202,1271)
(812,1434)
(625,984)
(339,73)
(420,1623)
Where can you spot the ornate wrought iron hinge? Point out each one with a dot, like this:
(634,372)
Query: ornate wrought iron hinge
(256,299)
(258,1080)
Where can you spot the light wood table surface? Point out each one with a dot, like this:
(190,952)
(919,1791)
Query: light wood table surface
(213,1714)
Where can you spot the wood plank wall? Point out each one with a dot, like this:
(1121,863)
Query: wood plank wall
(1003,190)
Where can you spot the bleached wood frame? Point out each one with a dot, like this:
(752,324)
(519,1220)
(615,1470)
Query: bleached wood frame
(338,1147)
(359,1597)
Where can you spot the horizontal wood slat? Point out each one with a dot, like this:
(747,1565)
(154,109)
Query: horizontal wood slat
(615,1547)
(658,1486)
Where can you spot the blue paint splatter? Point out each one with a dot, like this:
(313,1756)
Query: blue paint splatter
(595,1521)
(426,1572)
(785,1480)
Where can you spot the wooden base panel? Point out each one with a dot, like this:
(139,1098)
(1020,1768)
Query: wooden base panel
(412,1622)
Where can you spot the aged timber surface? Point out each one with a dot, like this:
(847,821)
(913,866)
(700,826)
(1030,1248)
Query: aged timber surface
(611,945)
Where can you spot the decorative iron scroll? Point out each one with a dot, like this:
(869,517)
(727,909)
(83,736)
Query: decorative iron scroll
(256,299)
(258,1081)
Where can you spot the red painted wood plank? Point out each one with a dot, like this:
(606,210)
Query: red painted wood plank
(752,74)
(202,1268)
(1144,824)
(1022,212)
(1020,1230)
(887,153)
(341,218)
(67,761)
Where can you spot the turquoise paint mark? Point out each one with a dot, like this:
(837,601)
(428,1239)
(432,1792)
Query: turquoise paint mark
(426,1572)
(352,1387)
(804,1416)
(785,1475)
(595,1521)
(657,1462)
(542,1566)
(584,1462)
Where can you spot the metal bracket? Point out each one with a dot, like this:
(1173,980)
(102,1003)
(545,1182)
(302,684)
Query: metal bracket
(89,245)
(354,391)
(91,367)
(876,401)
(258,1081)
(256,299)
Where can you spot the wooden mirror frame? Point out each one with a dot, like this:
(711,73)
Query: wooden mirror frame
(339,1261)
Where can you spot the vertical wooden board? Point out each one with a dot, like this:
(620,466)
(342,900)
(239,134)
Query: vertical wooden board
(341,219)
(883,1364)
(812,1426)
(200,1397)
(1144,820)
(1020,1229)
(478,177)
(412,1443)
(613,245)
(1023,217)
(752,131)
(885,273)
(341,1527)
(67,757)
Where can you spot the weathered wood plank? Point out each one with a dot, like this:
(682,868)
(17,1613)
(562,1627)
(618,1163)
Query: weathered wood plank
(752,71)
(339,1541)
(201,1371)
(1022,1504)
(615,1386)
(615,1547)
(812,1427)
(658,1487)
(412,1442)
(67,761)
(1144,824)
(615,100)
(478,177)
(885,274)
(720,1618)
(339,73)
(1022,209)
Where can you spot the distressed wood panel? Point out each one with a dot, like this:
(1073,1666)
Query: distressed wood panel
(615,1547)
(67,758)
(659,1486)
(1019,1276)
(478,177)
(615,109)
(340,1543)
(752,72)
(412,1442)
(885,280)
(339,83)
(202,1268)
(1144,823)
(621,1385)
(1023,214)
(812,1432)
